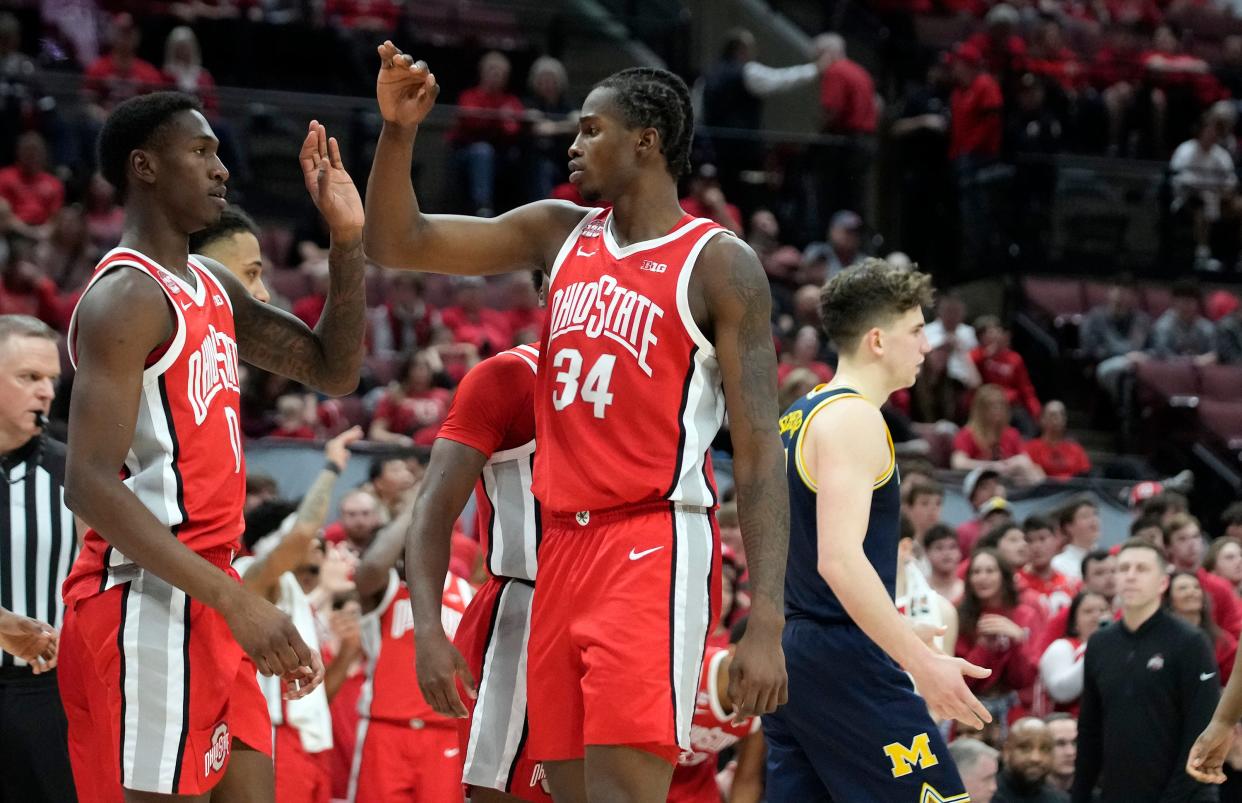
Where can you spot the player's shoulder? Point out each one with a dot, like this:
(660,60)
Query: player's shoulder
(844,406)
(730,253)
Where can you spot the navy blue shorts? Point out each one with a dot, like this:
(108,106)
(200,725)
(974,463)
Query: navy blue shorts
(853,730)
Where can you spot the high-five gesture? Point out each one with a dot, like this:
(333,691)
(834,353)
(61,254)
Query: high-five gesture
(406,89)
(330,187)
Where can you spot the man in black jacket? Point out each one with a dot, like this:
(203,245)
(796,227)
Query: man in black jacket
(38,542)
(1028,761)
(1150,686)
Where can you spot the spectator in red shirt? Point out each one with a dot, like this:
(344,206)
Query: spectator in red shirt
(364,15)
(24,289)
(309,307)
(974,143)
(995,630)
(1051,59)
(1054,589)
(486,132)
(1182,85)
(358,518)
(1059,457)
(183,68)
(404,321)
(525,312)
(804,354)
(944,553)
(1000,365)
(848,104)
(33,194)
(120,75)
(1186,599)
(988,441)
(706,199)
(471,322)
(1186,548)
(411,410)
(1003,51)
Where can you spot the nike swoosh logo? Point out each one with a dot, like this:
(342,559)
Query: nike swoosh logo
(1206,675)
(582,253)
(452,753)
(636,555)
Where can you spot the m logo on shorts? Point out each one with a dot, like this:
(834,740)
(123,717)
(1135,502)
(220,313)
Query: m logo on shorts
(904,758)
(213,759)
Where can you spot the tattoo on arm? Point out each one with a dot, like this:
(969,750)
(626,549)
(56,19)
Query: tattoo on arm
(327,358)
(313,510)
(762,491)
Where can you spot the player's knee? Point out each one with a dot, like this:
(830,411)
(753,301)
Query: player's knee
(625,774)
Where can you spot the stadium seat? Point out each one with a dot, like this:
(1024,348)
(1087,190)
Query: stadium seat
(1054,297)
(1155,300)
(1171,382)
(1221,382)
(1222,420)
(1095,293)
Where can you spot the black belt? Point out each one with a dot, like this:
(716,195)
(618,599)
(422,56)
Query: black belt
(19,674)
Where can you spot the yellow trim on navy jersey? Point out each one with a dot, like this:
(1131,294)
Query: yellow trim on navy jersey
(884,476)
(806,424)
(928,794)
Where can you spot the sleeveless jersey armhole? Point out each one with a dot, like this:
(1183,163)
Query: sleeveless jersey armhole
(683,292)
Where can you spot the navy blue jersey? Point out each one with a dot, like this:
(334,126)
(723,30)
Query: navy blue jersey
(806,592)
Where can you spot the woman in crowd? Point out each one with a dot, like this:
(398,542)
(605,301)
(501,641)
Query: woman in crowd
(995,628)
(1185,598)
(1061,666)
(412,408)
(988,441)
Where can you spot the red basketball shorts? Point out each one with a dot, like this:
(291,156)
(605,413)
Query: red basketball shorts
(409,762)
(622,609)
(492,638)
(301,777)
(156,691)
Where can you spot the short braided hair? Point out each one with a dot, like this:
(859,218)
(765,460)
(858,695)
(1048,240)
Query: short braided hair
(655,98)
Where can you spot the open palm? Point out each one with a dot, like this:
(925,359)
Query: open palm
(330,187)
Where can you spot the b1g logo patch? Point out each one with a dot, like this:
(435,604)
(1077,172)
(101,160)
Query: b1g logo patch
(216,757)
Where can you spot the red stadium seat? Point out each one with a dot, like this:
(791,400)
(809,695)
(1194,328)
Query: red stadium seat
(1056,298)
(1096,293)
(1174,382)
(1221,382)
(1155,300)
(1222,420)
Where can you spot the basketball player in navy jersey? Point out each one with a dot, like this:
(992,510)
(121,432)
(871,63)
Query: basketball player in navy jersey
(633,143)
(854,730)
(166,706)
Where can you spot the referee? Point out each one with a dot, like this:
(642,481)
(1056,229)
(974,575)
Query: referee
(38,542)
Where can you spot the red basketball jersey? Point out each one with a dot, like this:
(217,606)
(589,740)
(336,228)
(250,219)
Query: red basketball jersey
(711,731)
(628,396)
(186,462)
(493,412)
(391,688)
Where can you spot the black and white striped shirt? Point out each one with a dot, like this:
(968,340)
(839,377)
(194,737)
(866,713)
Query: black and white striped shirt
(38,541)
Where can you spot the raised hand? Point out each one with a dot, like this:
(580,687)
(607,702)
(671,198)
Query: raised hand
(336,451)
(330,187)
(29,639)
(406,89)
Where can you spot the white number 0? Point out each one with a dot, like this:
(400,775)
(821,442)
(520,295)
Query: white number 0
(594,388)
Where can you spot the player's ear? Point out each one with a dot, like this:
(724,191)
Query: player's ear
(142,164)
(874,340)
(648,142)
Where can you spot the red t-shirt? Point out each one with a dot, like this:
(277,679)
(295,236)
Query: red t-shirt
(847,94)
(308,309)
(112,84)
(1010,444)
(486,416)
(692,206)
(39,301)
(1007,369)
(1054,593)
(34,199)
(1060,460)
(1000,57)
(1010,661)
(1062,67)
(487,329)
(489,127)
(418,415)
(303,432)
(976,110)
(525,320)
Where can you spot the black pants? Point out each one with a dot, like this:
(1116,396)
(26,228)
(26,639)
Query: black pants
(34,742)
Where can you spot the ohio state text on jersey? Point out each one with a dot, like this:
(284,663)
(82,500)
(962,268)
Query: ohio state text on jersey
(629,395)
(186,463)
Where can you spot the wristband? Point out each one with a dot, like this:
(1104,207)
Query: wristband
(328,465)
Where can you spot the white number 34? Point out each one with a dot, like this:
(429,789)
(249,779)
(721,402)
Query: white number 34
(594,389)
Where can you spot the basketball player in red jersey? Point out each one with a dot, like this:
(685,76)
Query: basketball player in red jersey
(657,322)
(715,730)
(405,752)
(486,443)
(161,636)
